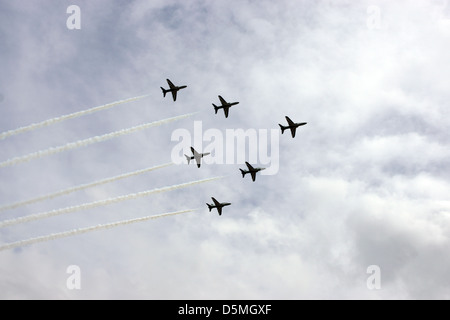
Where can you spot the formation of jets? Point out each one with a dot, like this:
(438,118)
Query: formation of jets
(292,126)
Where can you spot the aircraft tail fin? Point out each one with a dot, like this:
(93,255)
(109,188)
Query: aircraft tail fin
(216,108)
(164,91)
(243,173)
(188,159)
(210,207)
(282,128)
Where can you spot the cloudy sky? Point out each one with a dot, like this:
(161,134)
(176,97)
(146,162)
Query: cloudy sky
(364,183)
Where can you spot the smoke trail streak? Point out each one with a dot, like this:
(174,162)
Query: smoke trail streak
(48,122)
(99,203)
(78,231)
(88,141)
(81,187)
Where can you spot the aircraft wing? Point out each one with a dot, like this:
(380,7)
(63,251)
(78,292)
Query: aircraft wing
(253,173)
(217,203)
(219,210)
(174,95)
(199,161)
(222,100)
(249,166)
(291,123)
(226,110)
(171,85)
(293,130)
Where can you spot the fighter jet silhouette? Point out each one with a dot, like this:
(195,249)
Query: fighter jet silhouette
(217,205)
(172,88)
(251,170)
(197,156)
(225,106)
(293,126)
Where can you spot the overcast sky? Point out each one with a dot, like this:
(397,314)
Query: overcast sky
(364,183)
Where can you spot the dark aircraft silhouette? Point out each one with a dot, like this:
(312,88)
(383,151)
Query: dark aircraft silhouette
(217,205)
(172,88)
(197,156)
(251,170)
(291,125)
(225,106)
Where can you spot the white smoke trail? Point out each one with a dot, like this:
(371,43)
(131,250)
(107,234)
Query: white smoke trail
(78,231)
(88,141)
(81,187)
(48,122)
(99,203)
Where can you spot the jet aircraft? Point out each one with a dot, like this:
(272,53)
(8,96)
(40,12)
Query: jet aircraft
(217,205)
(197,156)
(291,125)
(225,106)
(172,88)
(251,170)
